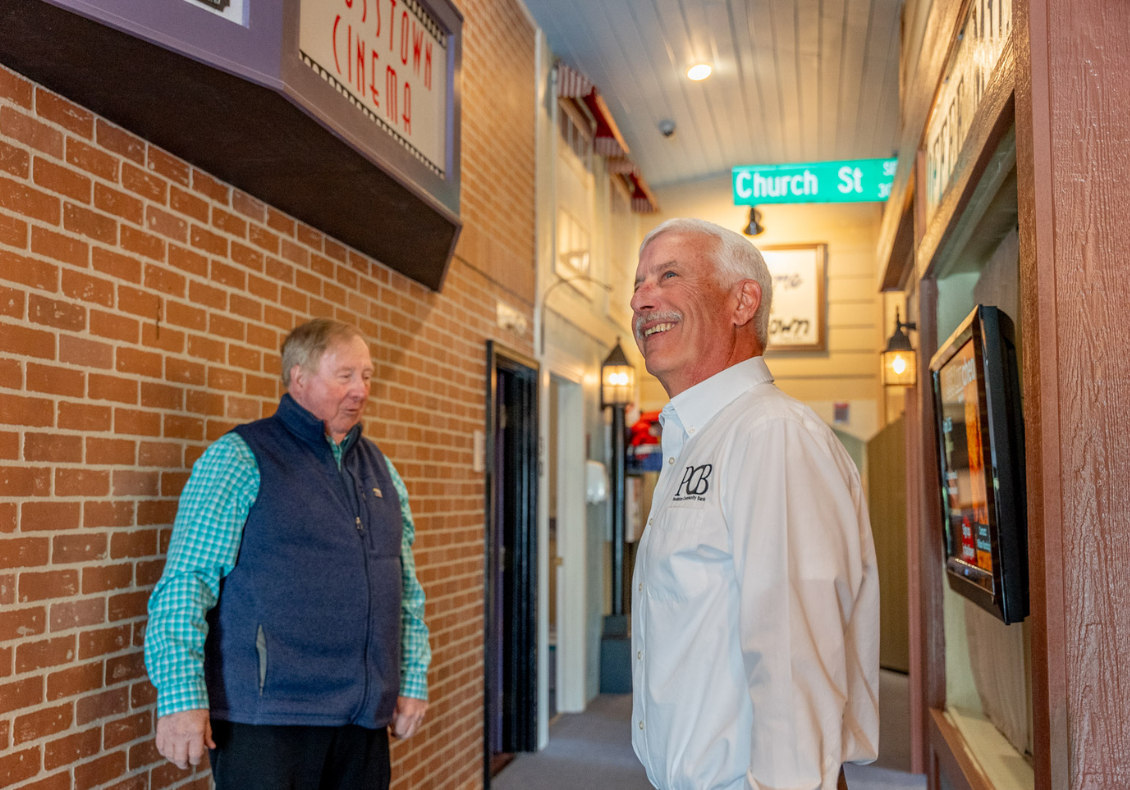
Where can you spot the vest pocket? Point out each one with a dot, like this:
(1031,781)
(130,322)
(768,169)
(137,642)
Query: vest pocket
(261,649)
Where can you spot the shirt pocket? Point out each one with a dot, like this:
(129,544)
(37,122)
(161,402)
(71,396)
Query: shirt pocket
(677,568)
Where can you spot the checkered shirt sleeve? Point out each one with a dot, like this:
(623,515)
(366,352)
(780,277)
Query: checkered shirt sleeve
(415,652)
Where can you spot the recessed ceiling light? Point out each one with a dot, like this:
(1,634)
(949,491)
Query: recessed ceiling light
(699,72)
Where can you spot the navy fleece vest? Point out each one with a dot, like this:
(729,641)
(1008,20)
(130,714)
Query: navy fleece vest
(307,629)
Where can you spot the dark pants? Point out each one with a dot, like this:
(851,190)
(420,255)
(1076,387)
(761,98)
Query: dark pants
(264,757)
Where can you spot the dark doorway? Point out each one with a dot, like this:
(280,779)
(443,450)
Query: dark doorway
(510,658)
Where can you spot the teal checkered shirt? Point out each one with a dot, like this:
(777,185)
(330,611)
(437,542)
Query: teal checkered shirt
(205,543)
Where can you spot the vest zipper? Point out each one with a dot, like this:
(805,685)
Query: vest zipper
(348,482)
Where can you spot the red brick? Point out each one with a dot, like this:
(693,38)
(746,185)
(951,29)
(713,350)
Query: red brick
(166,454)
(112,388)
(14,160)
(278,270)
(78,285)
(102,641)
(143,243)
(27,342)
(80,547)
(29,412)
(248,206)
(122,731)
(13,231)
(11,374)
(166,224)
(304,281)
(23,552)
(18,766)
(83,483)
(62,180)
(84,417)
(21,694)
(100,578)
(110,452)
(226,327)
(246,308)
(263,239)
(220,379)
(97,226)
(156,512)
(59,781)
(47,584)
(58,110)
(181,427)
(207,296)
(89,353)
(130,482)
(149,572)
(8,518)
(206,185)
(29,131)
(335,250)
(245,358)
(22,623)
(10,448)
(207,348)
(145,184)
(137,423)
(160,336)
(107,514)
(15,88)
(138,362)
(91,159)
(188,261)
(142,694)
(120,142)
(57,314)
(114,327)
(264,289)
(72,748)
(168,166)
(188,204)
(121,267)
(128,667)
(74,680)
(127,605)
(203,402)
(57,448)
(285,225)
(227,222)
(77,614)
(7,593)
(60,247)
(50,515)
(133,544)
(100,771)
(184,372)
(11,302)
(41,723)
(208,241)
(114,201)
(29,202)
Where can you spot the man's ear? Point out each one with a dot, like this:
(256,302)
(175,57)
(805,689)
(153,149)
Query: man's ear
(297,378)
(749,299)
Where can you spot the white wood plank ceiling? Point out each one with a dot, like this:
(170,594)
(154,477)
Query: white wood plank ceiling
(793,81)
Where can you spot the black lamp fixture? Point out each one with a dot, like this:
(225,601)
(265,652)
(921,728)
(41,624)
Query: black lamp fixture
(900,363)
(617,383)
(754,228)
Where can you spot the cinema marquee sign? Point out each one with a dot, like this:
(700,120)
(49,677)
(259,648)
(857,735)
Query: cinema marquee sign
(389,58)
(848,181)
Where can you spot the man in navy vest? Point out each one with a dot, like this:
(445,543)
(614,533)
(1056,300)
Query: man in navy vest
(286,634)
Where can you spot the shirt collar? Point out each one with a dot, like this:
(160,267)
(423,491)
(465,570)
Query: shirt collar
(693,408)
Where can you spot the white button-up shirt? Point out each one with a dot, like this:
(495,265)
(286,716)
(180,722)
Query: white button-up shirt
(755,611)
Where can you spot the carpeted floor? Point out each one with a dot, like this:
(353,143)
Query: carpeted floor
(593,750)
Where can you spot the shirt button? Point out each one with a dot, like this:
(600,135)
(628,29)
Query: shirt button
(641,586)
(671,460)
(641,725)
(639,654)
(691,430)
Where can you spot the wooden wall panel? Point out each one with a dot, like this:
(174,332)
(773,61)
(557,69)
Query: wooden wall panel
(1072,91)
(886,500)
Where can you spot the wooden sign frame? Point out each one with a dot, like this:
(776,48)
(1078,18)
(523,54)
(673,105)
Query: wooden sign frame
(799,288)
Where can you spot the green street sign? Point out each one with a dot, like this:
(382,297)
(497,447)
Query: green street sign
(849,181)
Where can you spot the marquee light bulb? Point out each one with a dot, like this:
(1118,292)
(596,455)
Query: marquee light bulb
(699,72)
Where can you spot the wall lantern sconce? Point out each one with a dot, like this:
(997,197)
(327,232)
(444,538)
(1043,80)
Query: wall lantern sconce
(617,379)
(754,228)
(900,363)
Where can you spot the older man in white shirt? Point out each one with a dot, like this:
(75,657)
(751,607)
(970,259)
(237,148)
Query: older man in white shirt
(755,615)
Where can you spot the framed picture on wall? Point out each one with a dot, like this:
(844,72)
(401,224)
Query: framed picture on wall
(797,320)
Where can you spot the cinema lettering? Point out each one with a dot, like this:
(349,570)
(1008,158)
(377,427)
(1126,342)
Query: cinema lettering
(389,58)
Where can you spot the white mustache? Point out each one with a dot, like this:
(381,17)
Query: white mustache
(659,315)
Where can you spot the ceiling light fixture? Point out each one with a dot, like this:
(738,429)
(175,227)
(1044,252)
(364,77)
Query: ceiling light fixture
(699,71)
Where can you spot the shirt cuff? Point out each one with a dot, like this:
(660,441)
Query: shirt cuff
(190,695)
(414,685)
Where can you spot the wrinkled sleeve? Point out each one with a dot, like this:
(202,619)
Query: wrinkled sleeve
(415,652)
(204,546)
(809,606)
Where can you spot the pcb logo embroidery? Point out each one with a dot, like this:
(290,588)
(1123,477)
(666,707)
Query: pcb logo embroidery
(694,485)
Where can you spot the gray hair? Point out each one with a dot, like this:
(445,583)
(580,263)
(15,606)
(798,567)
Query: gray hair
(306,344)
(734,257)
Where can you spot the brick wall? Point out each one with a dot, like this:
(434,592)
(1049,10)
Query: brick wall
(142,304)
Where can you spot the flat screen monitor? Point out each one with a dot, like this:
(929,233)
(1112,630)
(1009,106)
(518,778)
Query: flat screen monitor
(980,434)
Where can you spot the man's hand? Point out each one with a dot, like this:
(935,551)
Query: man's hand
(182,737)
(408,716)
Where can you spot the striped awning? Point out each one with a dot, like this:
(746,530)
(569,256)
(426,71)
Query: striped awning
(607,141)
